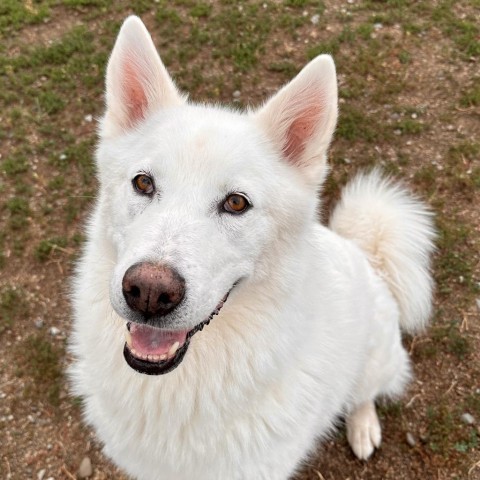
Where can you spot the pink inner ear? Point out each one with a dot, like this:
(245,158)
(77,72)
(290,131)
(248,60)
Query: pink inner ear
(134,92)
(300,131)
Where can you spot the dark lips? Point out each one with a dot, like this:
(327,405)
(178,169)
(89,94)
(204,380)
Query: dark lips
(166,366)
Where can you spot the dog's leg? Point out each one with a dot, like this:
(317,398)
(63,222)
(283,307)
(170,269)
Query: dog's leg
(363,430)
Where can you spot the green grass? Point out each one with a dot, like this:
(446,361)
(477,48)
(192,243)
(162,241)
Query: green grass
(46,248)
(40,364)
(14,165)
(446,434)
(12,306)
(19,212)
(16,13)
(355,125)
(471,96)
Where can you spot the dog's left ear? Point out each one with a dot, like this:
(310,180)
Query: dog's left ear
(300,119)
(137,82)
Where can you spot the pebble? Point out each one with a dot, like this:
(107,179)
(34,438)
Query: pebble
(397,132)
(467,418)
(411,439)
(63,156)
(236,94)
(315,19)
(85,469)
(478,303)
(41,474)
(54,331)
(88,118)
(38,323)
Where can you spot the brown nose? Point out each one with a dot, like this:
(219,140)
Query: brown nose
(152,289)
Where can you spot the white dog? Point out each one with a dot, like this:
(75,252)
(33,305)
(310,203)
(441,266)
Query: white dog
(199,203)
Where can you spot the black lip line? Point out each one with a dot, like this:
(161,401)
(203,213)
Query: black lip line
(155,368)
(166,366)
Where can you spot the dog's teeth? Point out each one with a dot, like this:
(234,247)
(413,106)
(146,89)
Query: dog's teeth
(134,352)
(163,357)
(173,349)
(128,338)
(153,358)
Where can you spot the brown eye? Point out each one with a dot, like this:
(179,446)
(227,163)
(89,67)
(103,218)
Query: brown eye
(143,184)
(236,203)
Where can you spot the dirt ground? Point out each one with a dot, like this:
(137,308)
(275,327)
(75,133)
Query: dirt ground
(409,83)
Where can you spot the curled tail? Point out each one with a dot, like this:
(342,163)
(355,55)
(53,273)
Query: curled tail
(396,231)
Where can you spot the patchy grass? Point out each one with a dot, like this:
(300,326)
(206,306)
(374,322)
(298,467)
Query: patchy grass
(444,424)
(471,96)
(14,14)
(12,306)
(40,365)
(399,98)
(46,248)
(19,212)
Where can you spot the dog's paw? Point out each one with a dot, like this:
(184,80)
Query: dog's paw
(363,430)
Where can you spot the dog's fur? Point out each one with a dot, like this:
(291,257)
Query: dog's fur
(311,331)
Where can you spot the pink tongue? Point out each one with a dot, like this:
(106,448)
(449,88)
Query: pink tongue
(155,341)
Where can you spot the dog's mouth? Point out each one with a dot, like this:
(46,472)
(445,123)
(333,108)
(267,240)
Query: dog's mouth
(156,351)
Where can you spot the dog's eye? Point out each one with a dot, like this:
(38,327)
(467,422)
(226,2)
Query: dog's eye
(143,184)
(235,203)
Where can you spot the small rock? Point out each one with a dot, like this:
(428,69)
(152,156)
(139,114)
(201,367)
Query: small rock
(315,19)
(236,94)
(478,303)
(410,439)
(88,118)
(397,132)
(63,156)
(41,474)
(38,323)
(54,331)
(378,26)
(85,469)
(467,418)
(414,116)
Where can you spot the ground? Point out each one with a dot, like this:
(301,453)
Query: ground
(409,101)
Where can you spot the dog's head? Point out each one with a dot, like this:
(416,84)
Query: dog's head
(199,200)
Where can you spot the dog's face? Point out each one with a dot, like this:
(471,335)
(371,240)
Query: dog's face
(197,197)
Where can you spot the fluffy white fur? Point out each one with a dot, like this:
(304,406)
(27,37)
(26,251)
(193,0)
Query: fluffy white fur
(310,333)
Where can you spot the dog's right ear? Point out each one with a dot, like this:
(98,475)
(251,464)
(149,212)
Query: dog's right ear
(137,82)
